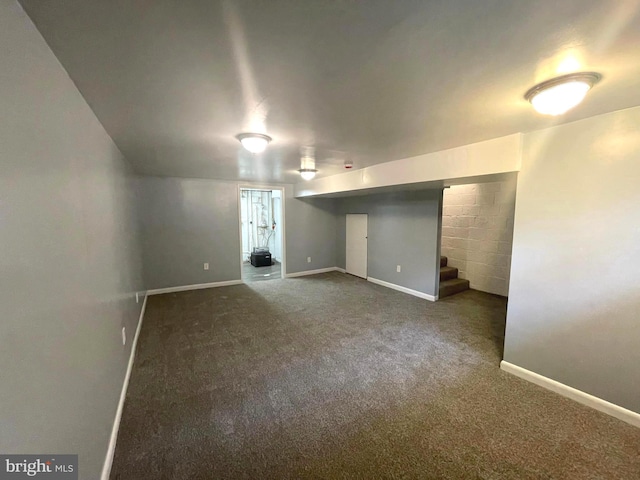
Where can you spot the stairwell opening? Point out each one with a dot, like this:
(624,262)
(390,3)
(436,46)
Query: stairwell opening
(477,235)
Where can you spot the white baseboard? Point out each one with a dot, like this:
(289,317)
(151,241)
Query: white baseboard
(579,396)
(415,293)
(198,286)
(341,270)
(108,461)
(313,272)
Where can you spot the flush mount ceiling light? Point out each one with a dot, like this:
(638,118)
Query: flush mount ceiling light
(254,142)
(307,173)
(560,94)
(307,162)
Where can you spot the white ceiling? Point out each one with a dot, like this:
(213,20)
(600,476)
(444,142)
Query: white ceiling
(372,81)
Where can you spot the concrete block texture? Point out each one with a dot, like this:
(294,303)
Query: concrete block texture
(477,232)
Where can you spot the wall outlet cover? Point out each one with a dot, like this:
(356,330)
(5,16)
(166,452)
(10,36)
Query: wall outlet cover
(206,266)
(124,336)
(398,269)
(308,259)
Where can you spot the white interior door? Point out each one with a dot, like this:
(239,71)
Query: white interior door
(357,225)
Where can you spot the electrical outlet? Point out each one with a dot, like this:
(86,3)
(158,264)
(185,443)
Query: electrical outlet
(206,266)
(398,269)
(308,259)
(124,336)
(137,297)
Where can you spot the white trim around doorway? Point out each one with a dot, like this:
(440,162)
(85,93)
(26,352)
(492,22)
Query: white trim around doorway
(281,188)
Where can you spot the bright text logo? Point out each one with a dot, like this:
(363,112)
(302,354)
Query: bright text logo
(45,467)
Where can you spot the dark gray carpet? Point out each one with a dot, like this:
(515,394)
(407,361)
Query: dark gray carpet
(333,377)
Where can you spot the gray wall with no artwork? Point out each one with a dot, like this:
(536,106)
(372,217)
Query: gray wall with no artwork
(69,262)
(187,222)
(404,229)
(311,232)
(574,296)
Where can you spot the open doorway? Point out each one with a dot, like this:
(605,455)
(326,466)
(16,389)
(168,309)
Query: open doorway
(261,233)
(477,234)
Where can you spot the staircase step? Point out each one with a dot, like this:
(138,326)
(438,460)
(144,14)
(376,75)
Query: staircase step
(443,261)
(448,273)
(451,287)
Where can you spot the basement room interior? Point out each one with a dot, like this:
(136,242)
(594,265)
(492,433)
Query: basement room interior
(320,239)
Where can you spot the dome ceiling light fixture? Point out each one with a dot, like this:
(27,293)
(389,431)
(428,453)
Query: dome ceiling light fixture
(308,173)
(307,162)
(254,142)
(559,95)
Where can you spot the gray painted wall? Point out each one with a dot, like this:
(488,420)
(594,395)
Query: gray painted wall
(574,296)
(403,230)
(311,232)
(187,222)
(69,261)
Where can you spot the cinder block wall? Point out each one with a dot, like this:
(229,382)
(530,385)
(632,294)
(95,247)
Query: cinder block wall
(477,233)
